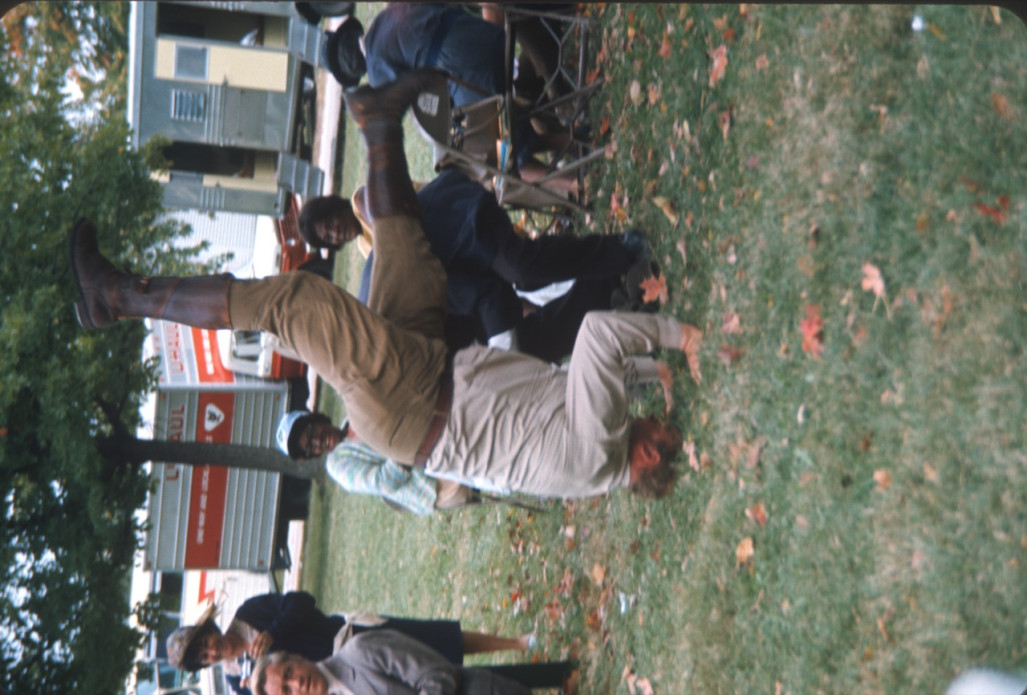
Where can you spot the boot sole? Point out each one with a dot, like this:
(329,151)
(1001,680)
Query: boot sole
(81,310)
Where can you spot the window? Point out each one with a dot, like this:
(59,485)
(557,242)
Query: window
(191,62)
(188,106)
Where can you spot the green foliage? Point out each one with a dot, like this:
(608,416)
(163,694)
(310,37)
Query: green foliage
(69,526)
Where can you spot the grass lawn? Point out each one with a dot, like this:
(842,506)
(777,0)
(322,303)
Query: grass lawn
(852,512)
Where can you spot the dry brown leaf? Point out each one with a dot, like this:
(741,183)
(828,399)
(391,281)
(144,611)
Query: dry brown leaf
(629,678)
(744,551)
(724,121)
(729,355)
(598,574)
(812,329)
(872,280)
(680,246)
(757,513)
(882,477)
(644,686)
(996,14)
(930,473)
(665,48)
(668,209)
(762,62)
(718,56)
(635,93)
(693,460)
(731,323)
(655,287)
(654,93)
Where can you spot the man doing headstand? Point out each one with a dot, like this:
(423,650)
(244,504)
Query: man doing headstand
(403,392)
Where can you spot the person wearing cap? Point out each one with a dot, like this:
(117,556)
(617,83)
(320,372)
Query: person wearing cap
(474,414)
(292,622)
(486,260)
(359,469)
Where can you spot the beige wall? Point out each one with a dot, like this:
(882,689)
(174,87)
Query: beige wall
(246,68)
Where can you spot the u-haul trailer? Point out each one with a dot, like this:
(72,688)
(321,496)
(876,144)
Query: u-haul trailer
(207,517)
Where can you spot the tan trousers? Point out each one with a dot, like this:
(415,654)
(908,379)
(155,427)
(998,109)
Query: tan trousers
(384,360)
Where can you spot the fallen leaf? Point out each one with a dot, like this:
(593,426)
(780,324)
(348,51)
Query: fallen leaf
(668,209)
(616,208)
(917,560)
(812,328)
(757,513)
(997,215)
(729,355)
(719,57)
(882,477)
(872,280)
(644,686)
(1001,106)
(629,678)
(654,93)
(693,460)
(762,62)
(938,33)
(744,551)
(655,288)
(680,246)
(592,75)
(604,125)
(731,323)
(665,48)
(930,473)
(724,121)
(801,522)
(996,14)
(635,93)
(598,574)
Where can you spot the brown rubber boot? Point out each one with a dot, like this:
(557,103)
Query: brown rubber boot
(107,294)
(378,112)
(390,102)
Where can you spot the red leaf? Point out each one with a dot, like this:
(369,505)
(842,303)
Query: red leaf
(995,214)
(665,48)
(812,328)
(655,287)
(719,57)
(729,355)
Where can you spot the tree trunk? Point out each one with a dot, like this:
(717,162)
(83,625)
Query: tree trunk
(133,451)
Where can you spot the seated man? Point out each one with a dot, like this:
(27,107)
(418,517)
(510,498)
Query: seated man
(410,36)
(359,469)
(484,258)
(499,415)
(382,661)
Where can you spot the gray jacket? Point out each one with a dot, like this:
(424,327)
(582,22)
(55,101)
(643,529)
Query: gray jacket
(386,662)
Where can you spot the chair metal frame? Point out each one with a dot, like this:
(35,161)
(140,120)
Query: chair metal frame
(479,139)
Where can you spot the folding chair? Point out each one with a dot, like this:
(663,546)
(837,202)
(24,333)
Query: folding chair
(479,139)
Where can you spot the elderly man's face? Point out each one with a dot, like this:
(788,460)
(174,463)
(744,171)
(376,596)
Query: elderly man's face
(294,675)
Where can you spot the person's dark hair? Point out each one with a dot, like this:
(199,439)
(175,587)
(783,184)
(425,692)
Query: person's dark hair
(317,211)
(191,657)
(299,426)
(658,482)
